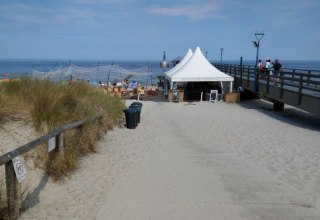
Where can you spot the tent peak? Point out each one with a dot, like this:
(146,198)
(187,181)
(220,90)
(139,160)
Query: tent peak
(197,49)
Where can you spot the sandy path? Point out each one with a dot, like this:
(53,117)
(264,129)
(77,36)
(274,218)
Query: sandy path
(202,161)
(217,161)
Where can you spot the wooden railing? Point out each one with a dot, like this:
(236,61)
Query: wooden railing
(297,79)
(12,185)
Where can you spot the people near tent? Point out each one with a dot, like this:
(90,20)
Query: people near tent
(260,68)
(101,84)
(174,85)
(119,84)
(125,83)
(133,85)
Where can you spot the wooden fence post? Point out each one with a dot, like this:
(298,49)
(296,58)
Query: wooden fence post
(61,145)
(300,89)
(281,84)
(13,191)
(308,77)
(268,82)
(248,76)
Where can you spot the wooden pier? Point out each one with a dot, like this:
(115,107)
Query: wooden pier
(295,87)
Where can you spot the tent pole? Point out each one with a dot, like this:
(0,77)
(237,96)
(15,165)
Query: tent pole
(222,91)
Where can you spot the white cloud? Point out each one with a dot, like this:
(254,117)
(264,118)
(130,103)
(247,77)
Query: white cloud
(73,14)
(191,11)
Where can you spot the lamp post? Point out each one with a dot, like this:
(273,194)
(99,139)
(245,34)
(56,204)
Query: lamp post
(221,50)
(164,65)
(259,36)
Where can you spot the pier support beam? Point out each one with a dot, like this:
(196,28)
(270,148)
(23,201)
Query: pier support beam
(278,106)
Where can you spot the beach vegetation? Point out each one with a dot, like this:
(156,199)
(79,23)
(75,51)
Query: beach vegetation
(49,105)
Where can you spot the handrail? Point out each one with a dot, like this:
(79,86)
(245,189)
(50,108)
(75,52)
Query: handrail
(296,87)
(29,146)
(299,78)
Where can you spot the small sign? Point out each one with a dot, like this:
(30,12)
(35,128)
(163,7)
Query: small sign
(213,95)
(51,144)
(20,170)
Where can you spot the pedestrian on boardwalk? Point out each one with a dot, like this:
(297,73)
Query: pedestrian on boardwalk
(268,68)
(261,69)
(277,69)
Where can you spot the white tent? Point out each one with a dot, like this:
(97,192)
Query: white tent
(180,64)
(198,69)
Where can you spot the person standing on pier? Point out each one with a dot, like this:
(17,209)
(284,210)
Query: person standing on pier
(277,69)
(261,69)
(268,67)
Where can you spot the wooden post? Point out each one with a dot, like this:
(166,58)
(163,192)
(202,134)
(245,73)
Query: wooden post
(181,95)
(13,191)
(293,74)
(248,76)
(268,83)
(170,96)
(300,89)
(308,78)
(60,145)
(278,106)
(281,84)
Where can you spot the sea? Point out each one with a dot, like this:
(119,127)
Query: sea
(12,68)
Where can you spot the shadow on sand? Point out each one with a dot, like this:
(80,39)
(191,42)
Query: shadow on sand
(32,199)
(289,115)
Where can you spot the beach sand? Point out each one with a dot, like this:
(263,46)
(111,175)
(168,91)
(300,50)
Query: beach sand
(195,160)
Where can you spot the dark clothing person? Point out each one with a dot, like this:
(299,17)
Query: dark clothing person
(277,66)
(277,69)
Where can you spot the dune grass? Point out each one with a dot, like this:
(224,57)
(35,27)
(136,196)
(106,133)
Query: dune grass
(49,105)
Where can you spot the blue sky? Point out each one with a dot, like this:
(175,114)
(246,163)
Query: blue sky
(142,29)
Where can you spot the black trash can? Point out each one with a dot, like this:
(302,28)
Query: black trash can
(131,118)
(137,106)
(136,111)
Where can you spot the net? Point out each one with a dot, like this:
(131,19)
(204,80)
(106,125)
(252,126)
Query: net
(103,74)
